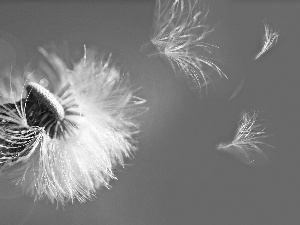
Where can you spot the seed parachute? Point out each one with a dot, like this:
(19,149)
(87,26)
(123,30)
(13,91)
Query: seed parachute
(270,39)
(180,35)
(249,145)
(63,140)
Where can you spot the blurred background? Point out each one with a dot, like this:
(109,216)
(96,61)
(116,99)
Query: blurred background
(177,176)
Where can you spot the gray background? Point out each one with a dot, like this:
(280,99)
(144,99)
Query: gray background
(177,177)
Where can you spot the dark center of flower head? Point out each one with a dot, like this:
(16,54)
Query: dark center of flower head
(49,111)
(42,110)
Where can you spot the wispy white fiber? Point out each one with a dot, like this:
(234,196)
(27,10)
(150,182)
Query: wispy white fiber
(179,34)
(249,144)
(270,38)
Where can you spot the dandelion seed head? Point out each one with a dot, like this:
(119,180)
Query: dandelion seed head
(62,141)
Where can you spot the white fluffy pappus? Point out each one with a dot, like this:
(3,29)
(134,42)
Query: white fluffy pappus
(179,34)
(63,140)
(270,38)
(249,145)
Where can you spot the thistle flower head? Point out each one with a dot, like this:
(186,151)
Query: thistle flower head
(179,35)
(63,142)
(248,145)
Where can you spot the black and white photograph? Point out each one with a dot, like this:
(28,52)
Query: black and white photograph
(149,112)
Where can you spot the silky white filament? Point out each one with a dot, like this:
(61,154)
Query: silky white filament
(179,35)
(270,38)
(249,145)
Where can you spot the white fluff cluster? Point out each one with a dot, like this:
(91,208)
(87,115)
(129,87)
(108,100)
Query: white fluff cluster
(270,38)
(249,145)
(179,34)
(73,157)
